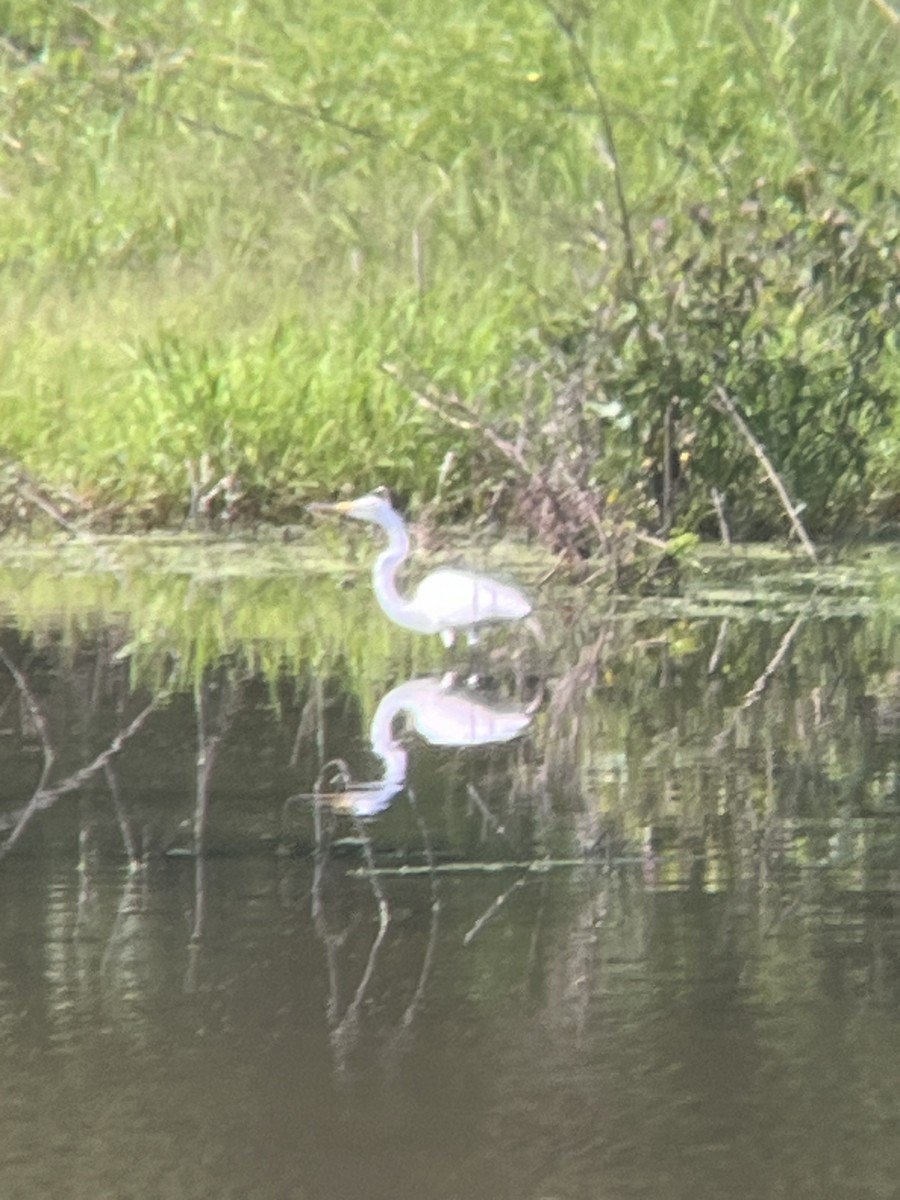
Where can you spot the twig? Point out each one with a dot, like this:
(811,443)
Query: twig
(885,9)
(208,745)
(36,714)
(493,908)
(342,1026)
(320,116)
(44,797)
(342,1029)
(10,48)
(725,404)
(719,505)
(486,815)
(775,662)
(534,941)
(428,958)
(668,482)
(30,492)
(536,867)
(454,412)
(761,682)
(330,941)
(715,659)
(112,782)
(106,25)
(35,493)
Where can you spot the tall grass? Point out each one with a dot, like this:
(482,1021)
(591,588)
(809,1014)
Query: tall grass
(219,220)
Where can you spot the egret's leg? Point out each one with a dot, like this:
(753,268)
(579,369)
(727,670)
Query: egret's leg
(472,636)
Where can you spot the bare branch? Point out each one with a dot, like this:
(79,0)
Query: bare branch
(36,714)
(428,958)
(37,494)
(726,404)
(493,908)
(761,682)
(45,797)
(885,9)
(454,412)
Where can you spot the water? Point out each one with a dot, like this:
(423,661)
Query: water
(626,924)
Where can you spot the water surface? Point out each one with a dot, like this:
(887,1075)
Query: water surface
(625,925)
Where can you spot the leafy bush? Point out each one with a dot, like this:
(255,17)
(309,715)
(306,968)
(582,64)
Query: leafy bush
(786,303)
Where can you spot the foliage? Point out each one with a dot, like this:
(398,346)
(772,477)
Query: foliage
(220,221)
(783,303)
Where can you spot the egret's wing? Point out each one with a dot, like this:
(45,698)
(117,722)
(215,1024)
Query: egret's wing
(460,599)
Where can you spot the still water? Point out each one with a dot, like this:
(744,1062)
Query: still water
(286,913)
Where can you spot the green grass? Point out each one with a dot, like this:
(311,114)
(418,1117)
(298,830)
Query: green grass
(219,220)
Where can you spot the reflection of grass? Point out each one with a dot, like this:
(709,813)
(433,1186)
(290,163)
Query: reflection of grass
(639,743)
(215,230)
(283,609)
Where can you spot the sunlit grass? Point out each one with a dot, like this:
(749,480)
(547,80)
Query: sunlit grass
(219,220)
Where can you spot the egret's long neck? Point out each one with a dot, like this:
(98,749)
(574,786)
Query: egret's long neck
(384,576)
(381,735)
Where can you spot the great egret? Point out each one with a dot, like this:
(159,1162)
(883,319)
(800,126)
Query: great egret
(447,600)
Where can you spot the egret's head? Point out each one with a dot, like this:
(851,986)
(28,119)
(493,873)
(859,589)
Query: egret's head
(367,508)
(373,507)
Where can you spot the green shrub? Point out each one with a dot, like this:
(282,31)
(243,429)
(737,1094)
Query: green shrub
(787,303)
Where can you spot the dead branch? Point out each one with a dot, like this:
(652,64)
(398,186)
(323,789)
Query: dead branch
(36,714)
(724,403)
(719,505)
(343,1026)
(761,682)
(538,866)
(493,908)
(45,797)
(35,493)
(886,11)
(454,412)
(565,516)
(428,958)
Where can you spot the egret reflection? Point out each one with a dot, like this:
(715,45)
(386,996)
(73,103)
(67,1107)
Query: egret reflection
(442,713)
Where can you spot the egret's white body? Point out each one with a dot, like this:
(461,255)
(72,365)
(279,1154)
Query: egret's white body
(448,600)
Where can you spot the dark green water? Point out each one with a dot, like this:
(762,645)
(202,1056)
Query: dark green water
(647,946)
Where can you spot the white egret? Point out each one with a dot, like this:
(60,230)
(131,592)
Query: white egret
(448,600)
